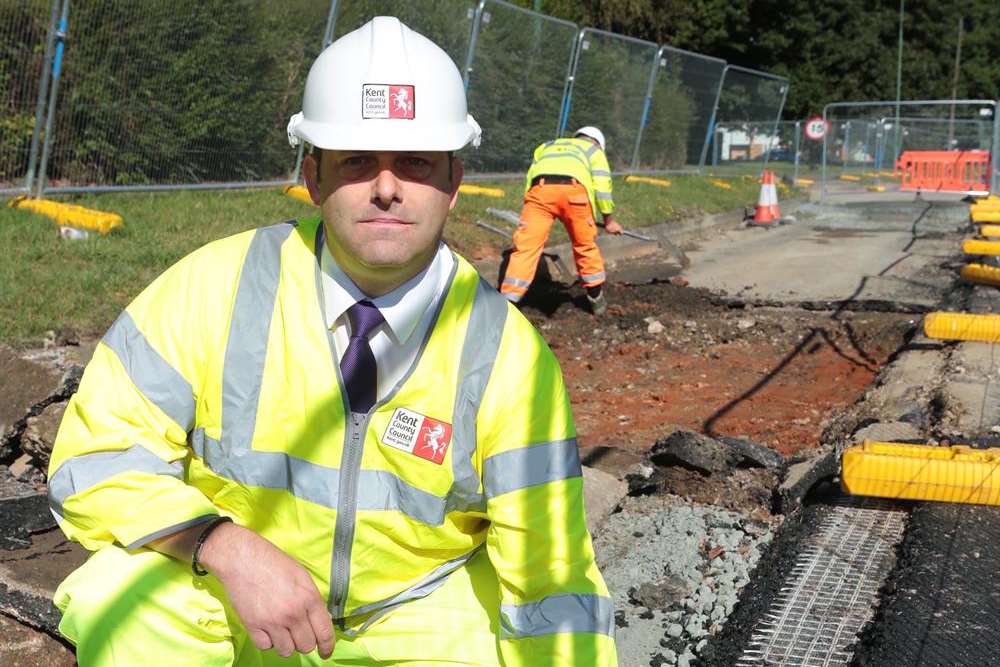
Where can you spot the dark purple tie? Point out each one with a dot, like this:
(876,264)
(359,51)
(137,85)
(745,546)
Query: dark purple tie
(358,363)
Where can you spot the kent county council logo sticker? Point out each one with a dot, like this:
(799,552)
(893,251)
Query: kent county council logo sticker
(416,434)
(381,100)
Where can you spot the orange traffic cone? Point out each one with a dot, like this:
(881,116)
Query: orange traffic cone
(767,211)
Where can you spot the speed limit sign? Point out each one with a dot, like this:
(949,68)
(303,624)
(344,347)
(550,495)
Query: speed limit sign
(816,128)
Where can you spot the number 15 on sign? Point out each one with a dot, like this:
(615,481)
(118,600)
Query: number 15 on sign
(816,128)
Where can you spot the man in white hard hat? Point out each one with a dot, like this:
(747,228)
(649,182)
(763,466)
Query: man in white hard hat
(569,179)
(331,436)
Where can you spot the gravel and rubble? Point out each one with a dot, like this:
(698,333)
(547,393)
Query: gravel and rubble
(675,570)
(677,551)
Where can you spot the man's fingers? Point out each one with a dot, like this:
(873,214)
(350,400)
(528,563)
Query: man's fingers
(282,641)
(322,627)
(302,635)
(260,639)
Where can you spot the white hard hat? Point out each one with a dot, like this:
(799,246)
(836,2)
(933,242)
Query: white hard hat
(593,133)
(384,87)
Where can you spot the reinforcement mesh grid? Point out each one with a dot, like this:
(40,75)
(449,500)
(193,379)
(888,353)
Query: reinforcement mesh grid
(832,589)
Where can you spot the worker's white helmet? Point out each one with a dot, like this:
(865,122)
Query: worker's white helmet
(593,133)
(384,87)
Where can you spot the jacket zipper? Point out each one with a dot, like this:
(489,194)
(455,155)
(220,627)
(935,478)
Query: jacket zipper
(343,535)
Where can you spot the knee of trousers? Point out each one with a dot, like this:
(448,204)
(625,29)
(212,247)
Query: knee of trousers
(121,607)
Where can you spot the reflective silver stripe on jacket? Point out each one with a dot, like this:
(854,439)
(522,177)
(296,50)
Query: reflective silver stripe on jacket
(594,278)
(571,612)
(479,351)
(603,196)
(79,473)
(530,466)
(246,347)
(152,375)
(319,484)
(593,149)
(600,172)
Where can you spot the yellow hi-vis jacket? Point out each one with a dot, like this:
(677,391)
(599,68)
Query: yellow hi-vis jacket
(581,159)
(218,391)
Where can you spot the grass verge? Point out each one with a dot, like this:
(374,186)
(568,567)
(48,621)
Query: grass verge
(47,282)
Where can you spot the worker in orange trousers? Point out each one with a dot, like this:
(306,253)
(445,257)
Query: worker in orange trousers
(569,179)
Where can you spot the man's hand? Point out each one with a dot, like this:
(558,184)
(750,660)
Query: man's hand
(612,227)
(271,592)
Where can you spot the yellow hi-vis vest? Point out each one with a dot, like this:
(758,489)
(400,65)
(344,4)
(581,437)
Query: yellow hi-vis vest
(218,390)
(581,159)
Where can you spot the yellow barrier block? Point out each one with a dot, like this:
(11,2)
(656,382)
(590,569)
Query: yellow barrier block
(991,203)
(70,215)
(662,182)
(962,326)
(720,184)
(876,188)
(978,247)
(989,230)
(956,474)
(849,177)
(804,181)
(980,273)
(470,189)
(889,174)
(299,192)
(984,215)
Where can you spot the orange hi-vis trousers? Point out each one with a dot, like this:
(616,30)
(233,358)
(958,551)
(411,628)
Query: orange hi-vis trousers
(543,203)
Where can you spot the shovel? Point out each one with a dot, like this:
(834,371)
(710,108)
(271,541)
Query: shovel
(674,250)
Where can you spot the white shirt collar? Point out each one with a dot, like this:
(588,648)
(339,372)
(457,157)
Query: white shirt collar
(402,308)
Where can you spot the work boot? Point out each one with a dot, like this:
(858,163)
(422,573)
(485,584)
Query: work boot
(598,304)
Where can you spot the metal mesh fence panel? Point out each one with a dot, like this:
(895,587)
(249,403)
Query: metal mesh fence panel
(519,67)
(24,28)
(944,133)
(168,92)
(448,23)
(742,147)
(680,110)
(865,140)
(611,78)
(790,153)
(786,150)
(749,106)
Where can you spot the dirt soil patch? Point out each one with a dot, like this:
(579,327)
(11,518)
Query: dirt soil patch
(667,356)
